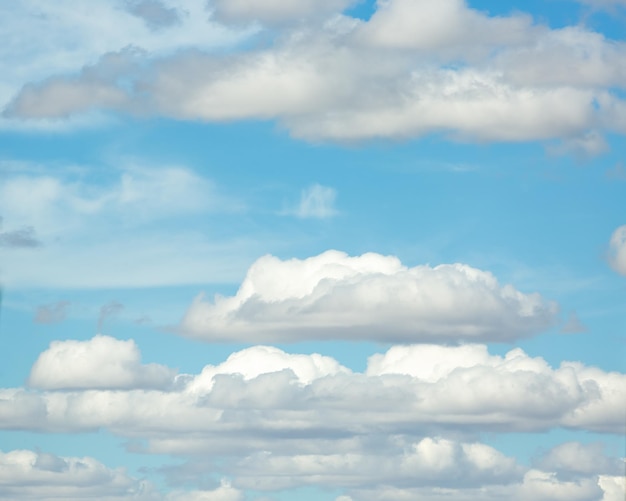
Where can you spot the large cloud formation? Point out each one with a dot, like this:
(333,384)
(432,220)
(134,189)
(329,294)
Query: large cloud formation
(373,297)
(271,420)
(413,68)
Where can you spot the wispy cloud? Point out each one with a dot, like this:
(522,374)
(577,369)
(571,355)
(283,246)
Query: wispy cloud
(317,202)
(52,313)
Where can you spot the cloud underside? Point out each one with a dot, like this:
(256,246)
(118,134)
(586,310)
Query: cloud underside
(372,297)
(269,420)
(414,68)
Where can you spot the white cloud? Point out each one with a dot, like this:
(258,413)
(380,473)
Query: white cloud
(241,404)
(272,420)
(101,362)
(317,201)
(617,250)
(27,475)
(460,72)
(374,297)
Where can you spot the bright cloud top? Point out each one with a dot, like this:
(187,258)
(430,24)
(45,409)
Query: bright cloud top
(617,250)
(373,297)
(102,362)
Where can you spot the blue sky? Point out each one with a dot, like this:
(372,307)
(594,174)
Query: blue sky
(329,250)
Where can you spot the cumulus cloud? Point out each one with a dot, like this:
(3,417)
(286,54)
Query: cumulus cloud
(101,362)
(263,392)
(617,250)
(375,297)
(413,68)
(317,201)
(53,313)
(271,420)
(28,475)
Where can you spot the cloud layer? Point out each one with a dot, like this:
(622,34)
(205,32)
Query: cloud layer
(373,297)
(412,69)
(270,420)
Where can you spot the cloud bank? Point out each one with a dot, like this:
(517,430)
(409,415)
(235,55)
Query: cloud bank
(271,420)
(368,297)
(413,68)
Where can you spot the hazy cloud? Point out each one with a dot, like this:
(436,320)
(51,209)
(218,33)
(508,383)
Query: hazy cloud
(108,311)
(573,325)
(154,13)
(53,313)
(413,68)
(617,250)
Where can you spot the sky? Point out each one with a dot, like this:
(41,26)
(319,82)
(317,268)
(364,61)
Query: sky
(330,250)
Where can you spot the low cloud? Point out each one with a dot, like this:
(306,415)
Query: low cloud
(368,297)
(102,362)
(53,313)
(573,325)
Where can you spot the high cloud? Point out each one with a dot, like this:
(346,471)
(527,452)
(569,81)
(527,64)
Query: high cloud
(617,250)
(101,362)
(413,68)
(373,297)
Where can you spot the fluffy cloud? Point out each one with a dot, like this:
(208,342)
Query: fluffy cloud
(414,68)
(273,420)
(27,475)
(617,250)
(101,362)
(262,392)
(333,296)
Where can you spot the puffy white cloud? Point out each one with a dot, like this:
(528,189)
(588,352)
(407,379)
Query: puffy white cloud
(446,24)
(617,250)
(27,475)
(225,492)
(101,362)
(275,12)
(335,296)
